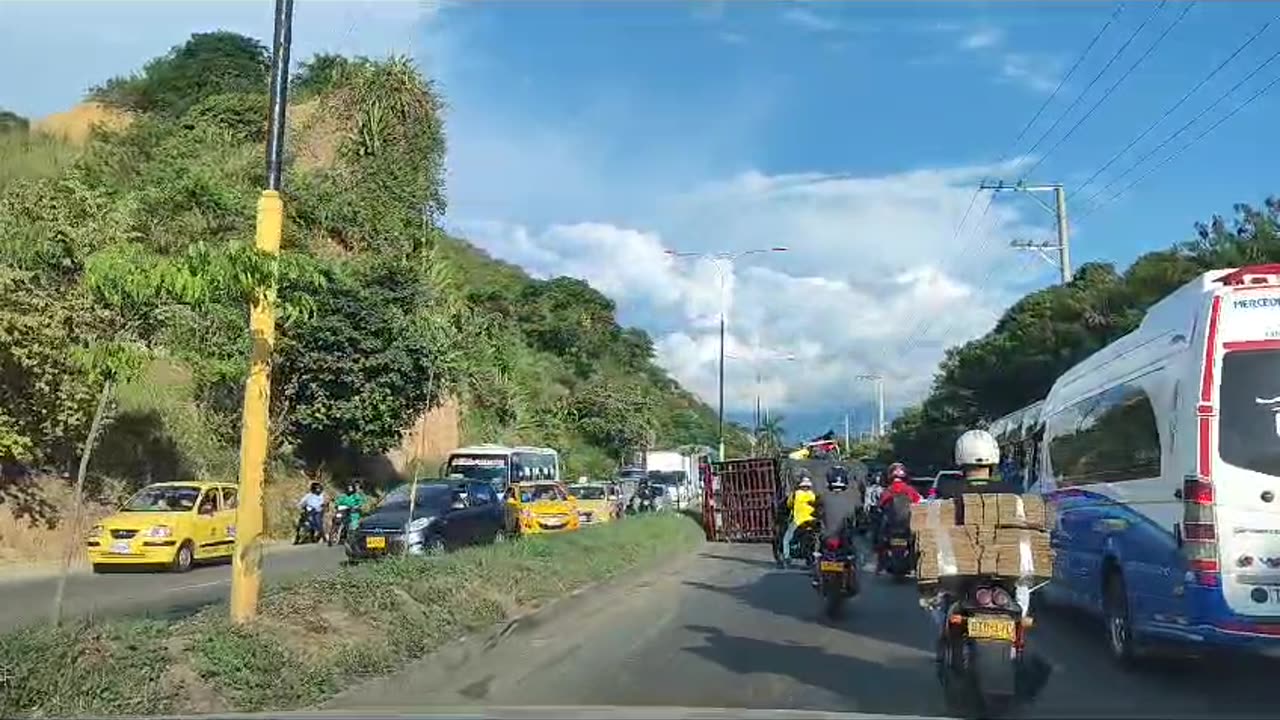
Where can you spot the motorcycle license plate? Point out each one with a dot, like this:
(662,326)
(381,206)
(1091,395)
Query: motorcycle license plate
(988,627)
(831,566)
(375,543)
(898,542)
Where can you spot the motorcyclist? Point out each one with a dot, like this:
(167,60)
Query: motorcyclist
(313,503)
(800,503)
(895,513)
(353,501)
(837,509)
(977,454)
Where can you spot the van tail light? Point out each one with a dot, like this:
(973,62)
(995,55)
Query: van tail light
(1200,532)
(833,543)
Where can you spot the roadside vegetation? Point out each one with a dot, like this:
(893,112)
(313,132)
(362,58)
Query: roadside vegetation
(126,262)
(319,635)
(1047,332)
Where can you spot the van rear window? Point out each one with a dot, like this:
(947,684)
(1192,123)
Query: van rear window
(1249,417)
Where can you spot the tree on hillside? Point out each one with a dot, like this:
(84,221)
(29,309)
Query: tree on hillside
(569,318)
(11,122)
(206,65)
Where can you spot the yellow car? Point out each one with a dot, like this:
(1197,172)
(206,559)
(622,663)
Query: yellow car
(172,524)
(597,503)
(540,507)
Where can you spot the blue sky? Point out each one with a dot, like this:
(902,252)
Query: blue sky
(588,138)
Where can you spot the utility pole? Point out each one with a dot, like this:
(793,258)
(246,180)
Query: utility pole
(246,562)
(723,263)
(879,383)
(1059,211)
(846,433)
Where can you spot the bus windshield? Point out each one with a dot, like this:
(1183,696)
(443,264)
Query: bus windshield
(486,468)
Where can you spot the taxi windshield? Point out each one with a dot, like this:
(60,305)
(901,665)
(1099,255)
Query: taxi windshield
(163,498)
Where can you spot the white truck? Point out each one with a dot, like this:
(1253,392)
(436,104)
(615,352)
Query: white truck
(678,474)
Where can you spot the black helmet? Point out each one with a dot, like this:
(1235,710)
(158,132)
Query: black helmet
(317,488)
(837,478)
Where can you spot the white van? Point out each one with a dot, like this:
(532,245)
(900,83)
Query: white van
(1161,459)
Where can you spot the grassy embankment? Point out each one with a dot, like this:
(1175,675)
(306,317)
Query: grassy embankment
(317,635)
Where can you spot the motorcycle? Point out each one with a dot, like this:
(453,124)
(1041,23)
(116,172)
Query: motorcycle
(803,543)
(303,532)
(870,520)
(981,649)
(900,554)
(837,574)
(343,520)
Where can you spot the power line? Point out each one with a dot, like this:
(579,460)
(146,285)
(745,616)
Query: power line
(1261,91)
(1106,94)
(1180,130)
(1186,96)
(1096,78)
(1062,83)
(921,322)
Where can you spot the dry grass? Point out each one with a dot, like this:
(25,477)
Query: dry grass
(315,135)
(75,125)
(34,513)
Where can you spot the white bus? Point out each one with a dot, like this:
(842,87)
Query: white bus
(502,465)
(1161,460)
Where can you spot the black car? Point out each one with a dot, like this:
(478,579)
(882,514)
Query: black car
(446,515)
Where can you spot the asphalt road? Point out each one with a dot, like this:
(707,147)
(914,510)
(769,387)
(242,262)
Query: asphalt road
(27,600)
(727,630)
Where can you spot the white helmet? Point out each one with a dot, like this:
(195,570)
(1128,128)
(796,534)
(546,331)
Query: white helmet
(805,483)
(977,447)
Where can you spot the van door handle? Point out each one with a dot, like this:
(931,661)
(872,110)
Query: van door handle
(1177,494)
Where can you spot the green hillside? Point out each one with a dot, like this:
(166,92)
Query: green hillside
(129,261)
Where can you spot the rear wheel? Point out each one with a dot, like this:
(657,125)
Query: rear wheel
(434,545)
(1119,625)
(499,536)
(184,558)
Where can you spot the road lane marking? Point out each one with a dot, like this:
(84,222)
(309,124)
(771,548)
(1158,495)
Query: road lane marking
(197,585)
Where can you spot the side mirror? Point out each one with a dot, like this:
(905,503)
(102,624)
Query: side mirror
(572,499)
(206,510)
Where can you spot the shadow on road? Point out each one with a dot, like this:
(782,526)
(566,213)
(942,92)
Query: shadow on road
(754,562)
(861,685)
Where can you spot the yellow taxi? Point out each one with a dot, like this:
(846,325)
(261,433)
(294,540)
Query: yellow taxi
(540,507)
(597,502)
(171,524)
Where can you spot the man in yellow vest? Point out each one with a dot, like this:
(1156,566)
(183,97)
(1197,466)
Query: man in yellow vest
(800,503)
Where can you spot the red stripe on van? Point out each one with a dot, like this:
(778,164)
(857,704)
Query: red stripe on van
(1210,347)
(1253,345)
(1206,447)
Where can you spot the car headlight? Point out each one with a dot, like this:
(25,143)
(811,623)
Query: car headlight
(418,525)
(160,531)
(527,514)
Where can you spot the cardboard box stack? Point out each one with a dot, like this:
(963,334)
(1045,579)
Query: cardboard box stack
(996,534)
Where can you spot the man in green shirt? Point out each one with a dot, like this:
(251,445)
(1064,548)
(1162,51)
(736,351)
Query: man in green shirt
(352,501)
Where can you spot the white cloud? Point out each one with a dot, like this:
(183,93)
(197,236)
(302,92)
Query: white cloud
(1036,72)
(982,38)
(869,263)
(809,20)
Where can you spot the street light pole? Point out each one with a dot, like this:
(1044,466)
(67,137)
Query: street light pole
(246,561)
(723,262)
(879,386)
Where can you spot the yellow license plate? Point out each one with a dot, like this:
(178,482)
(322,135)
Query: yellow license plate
(898,542)
(375,543)
(990,628)
(831,566)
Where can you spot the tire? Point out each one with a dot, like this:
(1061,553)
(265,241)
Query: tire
(434,545)
(184,558)
(1118,622)
(833,603)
